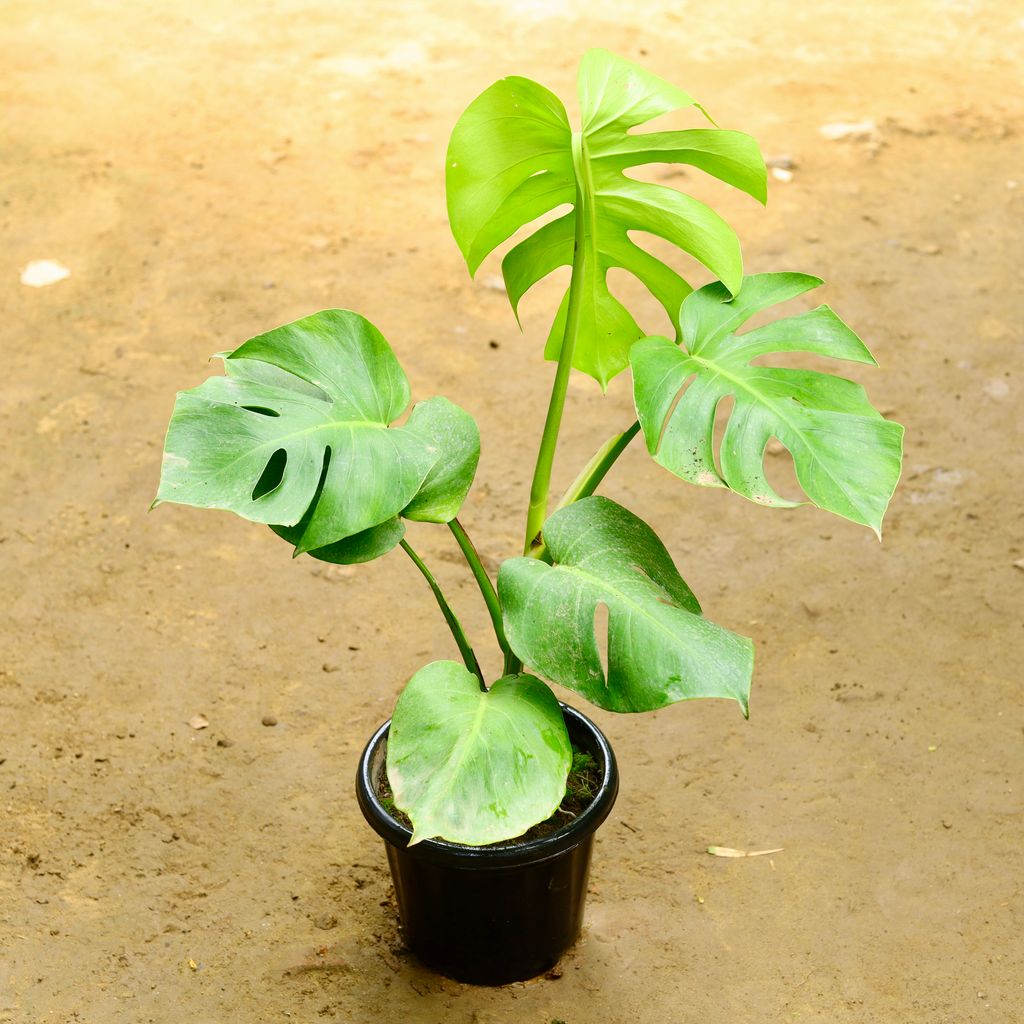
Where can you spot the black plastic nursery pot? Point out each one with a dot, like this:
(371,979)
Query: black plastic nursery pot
(495,914)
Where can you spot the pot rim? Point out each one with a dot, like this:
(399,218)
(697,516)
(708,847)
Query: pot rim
(458,855)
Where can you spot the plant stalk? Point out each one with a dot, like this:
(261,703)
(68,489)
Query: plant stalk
(483,581)
(590,477)
(468,657)
(596,469)
(541,485)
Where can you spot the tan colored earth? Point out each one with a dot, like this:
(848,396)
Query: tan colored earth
(209,170)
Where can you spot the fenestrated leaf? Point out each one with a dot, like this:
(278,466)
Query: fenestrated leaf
(846,455)
(474,767)
(513,157)
(298,433)
(660,649)
(453,433)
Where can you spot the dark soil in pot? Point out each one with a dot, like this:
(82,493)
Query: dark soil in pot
(501,913)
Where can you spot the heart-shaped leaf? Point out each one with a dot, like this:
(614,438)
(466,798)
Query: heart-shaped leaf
(846,455)
(474,767)
(297,436)
(513,157)
(659,649)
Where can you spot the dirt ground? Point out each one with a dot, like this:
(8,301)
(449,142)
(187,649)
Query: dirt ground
(207,171)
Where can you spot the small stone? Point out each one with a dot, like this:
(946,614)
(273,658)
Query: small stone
(325,922)
(841,130)
(199,721)
(40,273)
(225,742)
(268,720)
(781,174)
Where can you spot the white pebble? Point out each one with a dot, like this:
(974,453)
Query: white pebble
(40,273)
(837,130)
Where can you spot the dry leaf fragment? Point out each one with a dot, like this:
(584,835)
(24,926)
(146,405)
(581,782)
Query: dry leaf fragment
(725,851)
(198,721)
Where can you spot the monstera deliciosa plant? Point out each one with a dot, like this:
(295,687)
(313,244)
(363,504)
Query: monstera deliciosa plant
(304,432)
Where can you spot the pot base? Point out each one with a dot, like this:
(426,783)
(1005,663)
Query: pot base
(492,915)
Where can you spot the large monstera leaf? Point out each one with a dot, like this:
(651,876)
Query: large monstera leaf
(298,436)
(513,157)
(660,649)
(846,455)
(475,767)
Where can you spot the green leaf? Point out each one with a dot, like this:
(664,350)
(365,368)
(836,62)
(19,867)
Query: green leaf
(360,547)
(513,157)
(297,436)
(453,433)
(846,455)
(474,767)
(659,649)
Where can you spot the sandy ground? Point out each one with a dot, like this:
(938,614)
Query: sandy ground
(207,171)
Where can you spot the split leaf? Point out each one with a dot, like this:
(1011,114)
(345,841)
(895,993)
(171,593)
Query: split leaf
(298,436)
(659,647)
(513,157)
(846,455)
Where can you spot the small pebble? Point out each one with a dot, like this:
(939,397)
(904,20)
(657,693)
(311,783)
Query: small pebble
(839,130)
(268,720)
(40,273)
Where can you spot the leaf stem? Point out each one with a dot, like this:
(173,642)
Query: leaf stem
(549,440)
(483,581)
(591,475)
(468,657)
(596,469)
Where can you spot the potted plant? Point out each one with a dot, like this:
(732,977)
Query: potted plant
(467,783)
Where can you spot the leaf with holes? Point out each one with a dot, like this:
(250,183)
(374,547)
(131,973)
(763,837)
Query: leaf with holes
(513,158)
(298,433)
(660,649)
(846,455)
(475,767)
